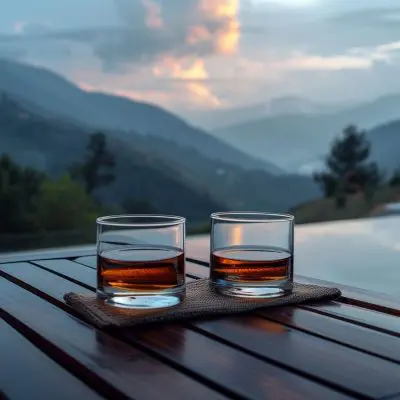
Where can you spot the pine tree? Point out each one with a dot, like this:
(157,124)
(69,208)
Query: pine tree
(98,168)
(347,167)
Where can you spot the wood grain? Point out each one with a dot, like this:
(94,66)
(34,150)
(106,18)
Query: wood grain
(192,351)
(327,361)
(355,336)
(368,317)
(48,254)
(110,365)
(198,250)
(70,270)
(246,375)
(26,372)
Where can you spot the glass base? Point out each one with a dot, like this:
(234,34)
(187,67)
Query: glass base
(276,289)
(143,300)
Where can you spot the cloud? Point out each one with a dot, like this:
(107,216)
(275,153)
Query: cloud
(374,16)
(170,35)
(153,18)
(213,53)
(386,53)
(150,29)
(332,63)
(18,27)
(31,28)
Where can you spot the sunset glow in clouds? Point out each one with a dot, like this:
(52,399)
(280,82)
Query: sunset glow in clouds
(153,19)
(189,55)
(191,68)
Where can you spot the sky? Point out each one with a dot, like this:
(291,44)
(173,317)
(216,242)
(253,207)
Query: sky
(211,54)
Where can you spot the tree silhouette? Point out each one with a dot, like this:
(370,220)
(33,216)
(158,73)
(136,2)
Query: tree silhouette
(98,168)
(64,204)
(18,187)
(395,179)
(347,167)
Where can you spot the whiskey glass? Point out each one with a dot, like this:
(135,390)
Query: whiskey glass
(141,260)
(252,253)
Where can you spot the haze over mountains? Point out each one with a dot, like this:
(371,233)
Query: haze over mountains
(298,140)
(217,119)
(54,95)
(45,121)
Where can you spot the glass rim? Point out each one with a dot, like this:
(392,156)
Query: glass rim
(240,216)
(118,220)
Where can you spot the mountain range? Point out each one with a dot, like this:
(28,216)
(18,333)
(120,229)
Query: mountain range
(214,119)
(176,178)
(385,145)
(54,145)
(53,95)
(295,140)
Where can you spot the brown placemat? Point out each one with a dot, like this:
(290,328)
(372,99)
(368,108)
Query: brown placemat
(201,301)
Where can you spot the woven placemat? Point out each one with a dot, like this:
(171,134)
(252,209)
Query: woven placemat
(201,301)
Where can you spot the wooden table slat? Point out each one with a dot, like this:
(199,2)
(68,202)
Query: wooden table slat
(26,370)
(103,361)
(328,361)
(359,297)
(248,376)
(88,261)
(350,347)
(48,254)
(355,336)
(198,249)
(70,270)
(358,337)
(201,362)
(357,315)
(335,357)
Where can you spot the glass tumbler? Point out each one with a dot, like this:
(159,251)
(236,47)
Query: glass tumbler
(141,260)
(252,253)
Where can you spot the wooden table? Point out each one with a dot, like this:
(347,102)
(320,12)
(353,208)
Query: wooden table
(345,349)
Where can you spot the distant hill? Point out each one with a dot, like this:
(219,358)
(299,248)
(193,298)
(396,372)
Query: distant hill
(53,145)
(325,209)
(292,140)
(52,95)
(173,178)
(220,118)
(385,144)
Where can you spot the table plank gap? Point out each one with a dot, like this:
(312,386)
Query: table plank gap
(326,361)
(56,286)
(374,320)
(386,352)
(40,376)
(49,254)
(95,352)
(388,324)
(351,335)
(198,252)
(248,372)
(89,261)
(61,357)
(188,264)
(59,302)
(70,270)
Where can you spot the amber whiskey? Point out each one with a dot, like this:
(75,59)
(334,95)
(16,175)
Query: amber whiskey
(140,269)
(250,265)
